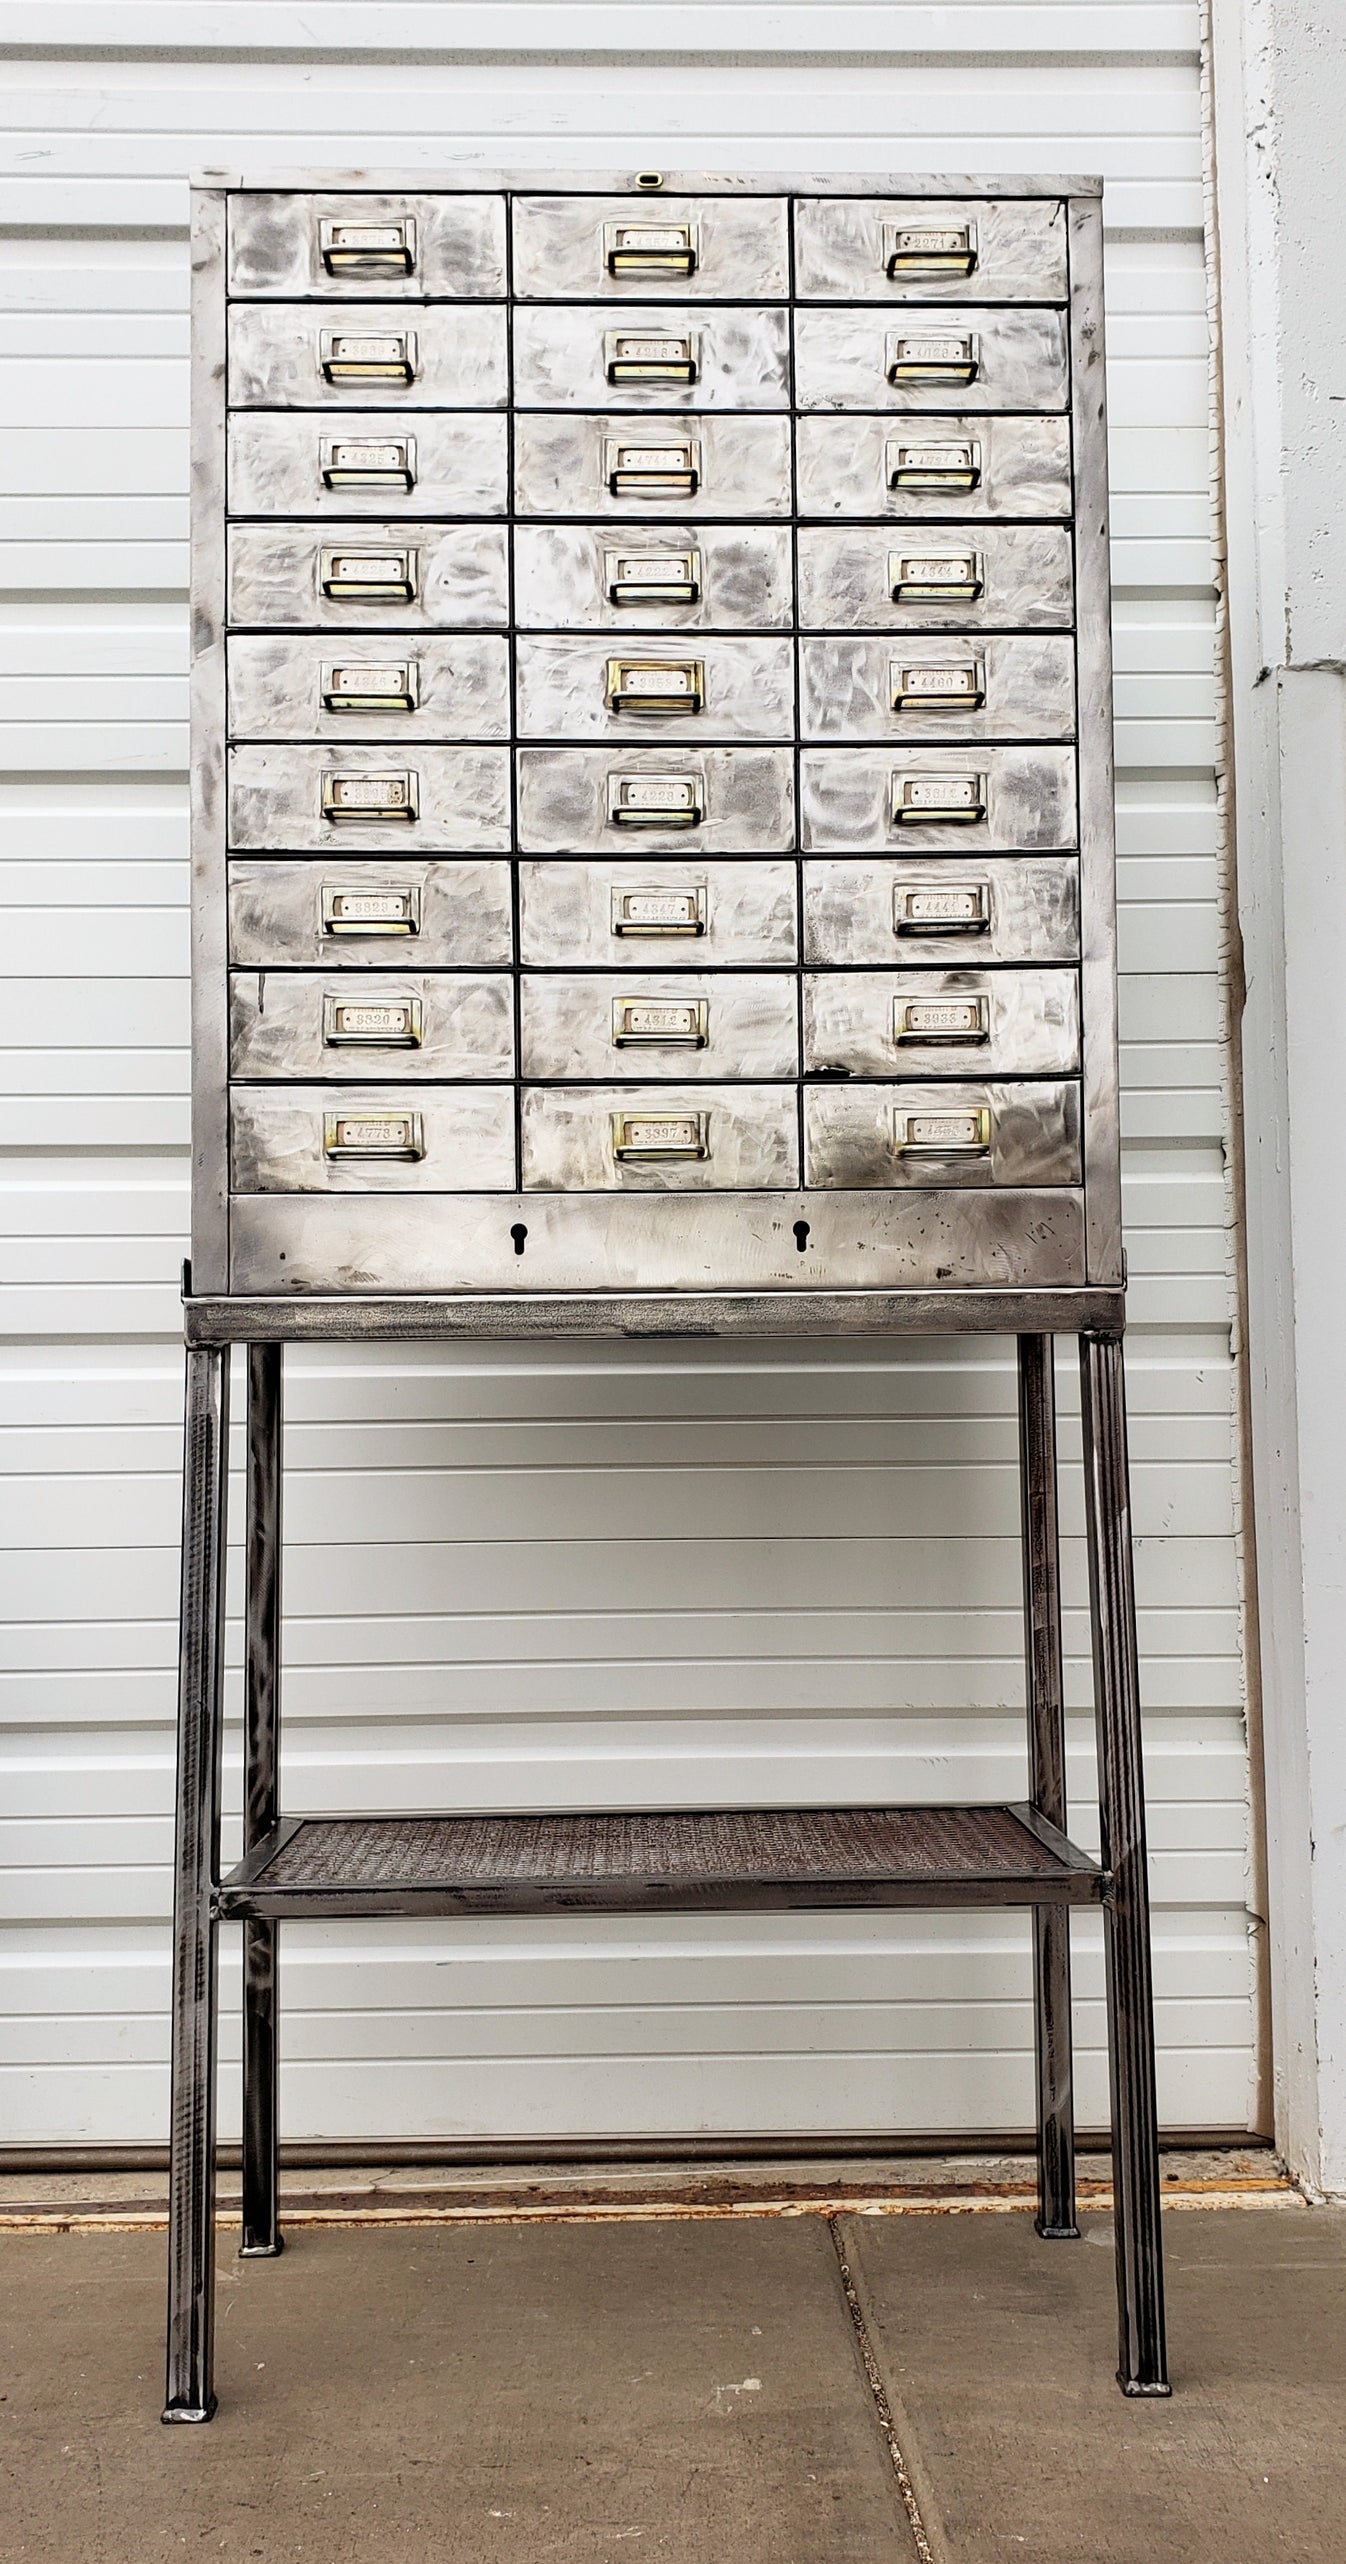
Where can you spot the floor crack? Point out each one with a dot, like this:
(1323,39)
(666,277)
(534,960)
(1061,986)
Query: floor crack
(880,2394)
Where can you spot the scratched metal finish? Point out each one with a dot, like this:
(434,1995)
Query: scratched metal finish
(841,253)
(1032,1023)
(563,574)
(561,689)
(850,1134)
(566,1025)
(560,465)
(747,796)
(742,358)
(846,797)
(560,252)
(846,688)
(277,1141)
(461,913)
(752,1138)
(846,467)
(851,910)
(460,573)
(460,460)
(847,576)
(842,359)
(278,684)
(275,800)
(275,245)
(567,914)
(276,1025)
(461,359)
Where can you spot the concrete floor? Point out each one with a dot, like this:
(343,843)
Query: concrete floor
(692,2390)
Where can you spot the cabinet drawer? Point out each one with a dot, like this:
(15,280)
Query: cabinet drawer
(442,356)
(977,358)
(994,908)
(936,686)
(602,689)
(894,249)
(945,801)
(679,577)
(942,1023)
(393,1024)
(410,576)
(368,463)
(372,1139)
(652,801)
(639,248)
(730,464)
(404,247)
(375,685)
(450,800)
(970,1134)
(939,467)
(967,578)
(678,915)
(634,1023)
(368,916)
(670,358)
(659,1139)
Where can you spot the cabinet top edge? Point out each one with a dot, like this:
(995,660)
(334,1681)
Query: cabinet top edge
(609,182)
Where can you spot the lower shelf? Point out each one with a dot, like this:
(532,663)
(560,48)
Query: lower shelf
(725,1861)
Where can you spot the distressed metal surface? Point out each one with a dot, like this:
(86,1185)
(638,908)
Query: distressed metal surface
(846,801)
(459,458)
(562,577)
(559,253)
(1024,466)
(274,244)
(1107,1262)
(747,796)
(1032,910)
(567,1138)
(842,358)
(210,1031)
(846,579)
(462,914)
(1032,1023)
(846,687)
(461,356)
(849,1135)
(742,358)
(466,1023)
(277,685)
(561,689)
(566,1024)
(275,800)
(278,1144)
(840,251)
(559,465)
(566,913)
(461,576)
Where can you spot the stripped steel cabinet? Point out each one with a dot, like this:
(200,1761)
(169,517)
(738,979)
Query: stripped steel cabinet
(653,872)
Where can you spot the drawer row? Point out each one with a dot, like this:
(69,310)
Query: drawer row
(424,247)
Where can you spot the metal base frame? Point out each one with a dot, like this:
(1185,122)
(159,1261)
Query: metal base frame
(1142,2369)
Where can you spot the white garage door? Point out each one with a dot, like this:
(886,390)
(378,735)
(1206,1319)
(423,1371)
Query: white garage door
(595,1576)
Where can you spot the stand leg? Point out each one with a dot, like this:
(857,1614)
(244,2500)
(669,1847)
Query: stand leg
(261,1728)
(1047,1780)
(1142,2366)
(191,2209)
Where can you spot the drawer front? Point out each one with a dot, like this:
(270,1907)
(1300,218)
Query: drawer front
(680,577)
(409,576)
(372,1139)
(944,467)
(726,801)
(376,685)
(659,1139)
(675,915)
(942,1023)
(368,463)
(956,578)
(940,1136)
(450,800)
(369,916)
(997,908)
(718,466)
(980,357)
(580,357)
(397,1024)
(1005,686)
(342,356)
(941,801)
(650,1024)
(721,247)
(404,247)
(924,249)
(600,689)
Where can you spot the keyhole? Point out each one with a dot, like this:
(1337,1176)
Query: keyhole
(518,1233)
(801,1234)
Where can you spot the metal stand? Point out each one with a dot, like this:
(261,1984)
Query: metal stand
(942,1857)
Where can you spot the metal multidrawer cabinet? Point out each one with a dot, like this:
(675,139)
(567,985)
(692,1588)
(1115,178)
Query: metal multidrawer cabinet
(352,913)
(887,249)
(297,1024)
(369,462)
(640,578)
(573,248)
(683,914)
(368,685)
(580,357)
(649,1024)
(445,577)
(942,1023)
(724,465)
(931,800)
(659,1139)
(979,357)
(986,908)
(363,1139)
(655,801)
(659,687)
(937,686)
(442,356)
(964,1134)
(938,467)
(408,247)
(330,800)
(970,577)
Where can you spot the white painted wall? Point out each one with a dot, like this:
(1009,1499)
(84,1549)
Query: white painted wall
(600,1575)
